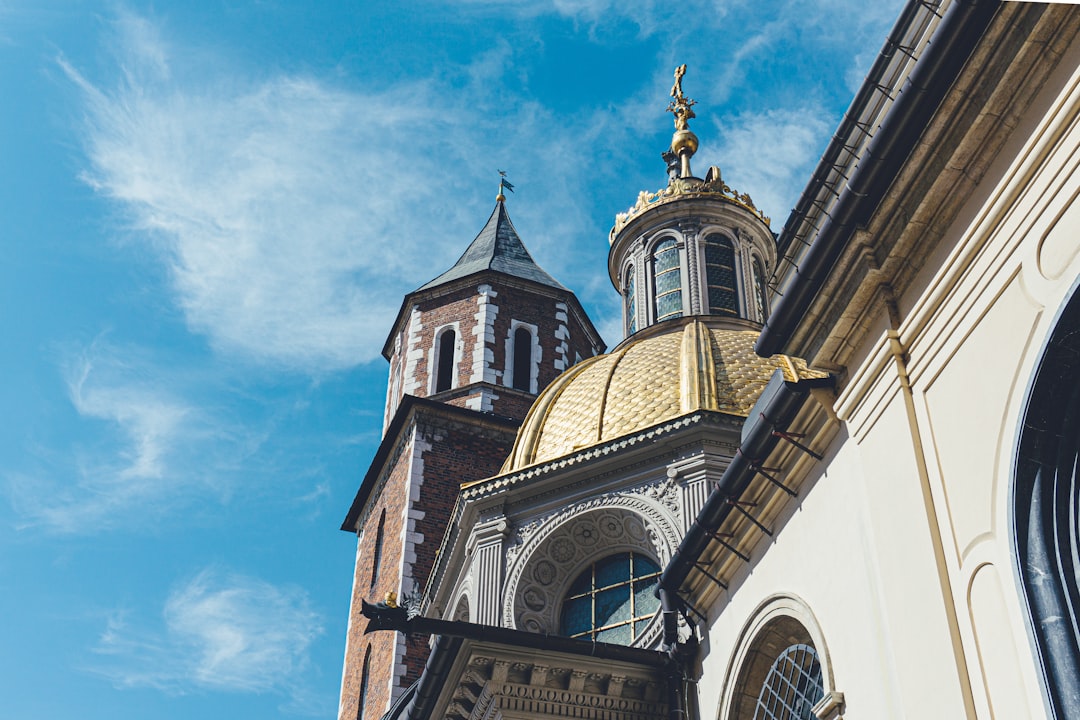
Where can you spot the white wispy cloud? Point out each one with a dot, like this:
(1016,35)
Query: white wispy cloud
(284,207)
(770,154)
(218,630)
(135,424)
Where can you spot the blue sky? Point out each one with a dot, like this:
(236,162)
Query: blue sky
(209,213)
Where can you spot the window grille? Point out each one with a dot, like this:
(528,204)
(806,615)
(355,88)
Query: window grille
(612,600)
(720,275)
(792,687)
(667,281)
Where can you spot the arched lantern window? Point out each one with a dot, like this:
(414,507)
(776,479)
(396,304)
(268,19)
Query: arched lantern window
(667,280)
(720,275)
(631,302)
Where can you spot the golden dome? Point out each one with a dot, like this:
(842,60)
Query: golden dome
(671,369)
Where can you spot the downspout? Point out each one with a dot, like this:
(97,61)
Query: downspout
(900,358)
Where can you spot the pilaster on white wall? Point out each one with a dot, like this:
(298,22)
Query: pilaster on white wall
(484,331)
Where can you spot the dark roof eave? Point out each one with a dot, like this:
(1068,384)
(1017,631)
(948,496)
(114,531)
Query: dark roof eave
(776,411)
(559,291)
(409,403)
(960,30)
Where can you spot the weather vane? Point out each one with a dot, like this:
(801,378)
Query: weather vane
(681,105)
(503,184)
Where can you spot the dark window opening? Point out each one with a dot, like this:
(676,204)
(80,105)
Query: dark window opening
(631,303)
(1046,504)
(445,377)
(376,555)
(522,360)
(364,673)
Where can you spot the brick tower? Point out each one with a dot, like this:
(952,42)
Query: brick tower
(468,353)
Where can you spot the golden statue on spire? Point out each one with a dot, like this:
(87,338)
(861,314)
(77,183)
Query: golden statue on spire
(680,106)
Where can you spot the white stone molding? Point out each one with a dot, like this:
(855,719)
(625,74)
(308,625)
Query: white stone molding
(535,354)
(413,352)
(436,348)
(773,608)
(562,336)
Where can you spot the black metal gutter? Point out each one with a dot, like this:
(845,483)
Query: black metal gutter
(961,28)
(778,405)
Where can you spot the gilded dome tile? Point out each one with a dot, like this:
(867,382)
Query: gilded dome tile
(642,383)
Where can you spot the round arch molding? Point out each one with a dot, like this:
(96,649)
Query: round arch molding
(779,622)
(563,545)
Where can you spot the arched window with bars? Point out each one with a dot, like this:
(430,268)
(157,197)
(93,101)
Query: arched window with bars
(720,275)
(667,280)
(761,291)
(631,301)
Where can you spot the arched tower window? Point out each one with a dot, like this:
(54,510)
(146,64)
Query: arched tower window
(376,555)
(364,675)
(444,379)
(761,295)
(667,280)
(612,600)
(631,302)
(720,275)
(1046,495)
(523,359)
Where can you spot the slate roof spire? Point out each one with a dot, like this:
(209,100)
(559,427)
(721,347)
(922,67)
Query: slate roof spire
(497,248)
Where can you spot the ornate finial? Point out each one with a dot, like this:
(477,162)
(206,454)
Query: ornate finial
(681,105)
(503,184)
(684,143)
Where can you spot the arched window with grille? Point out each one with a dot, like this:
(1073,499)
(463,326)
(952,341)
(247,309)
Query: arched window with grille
(761,294)
(444,378)
(667,280)
(781,675)
(612,600)
(631,301)
(720,275)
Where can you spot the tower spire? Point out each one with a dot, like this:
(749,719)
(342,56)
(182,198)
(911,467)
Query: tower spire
(684,142)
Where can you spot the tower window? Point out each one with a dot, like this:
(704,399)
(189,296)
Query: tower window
(445,374)
(667,281)
(760,290)
(720,275)
(376,555)
(523,359)
(364,673)
(631,302)
(612,600)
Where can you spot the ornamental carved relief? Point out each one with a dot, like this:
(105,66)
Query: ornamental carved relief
(550,551)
